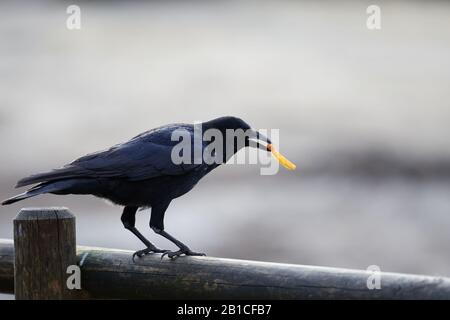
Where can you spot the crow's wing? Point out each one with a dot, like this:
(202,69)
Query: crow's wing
(146,156)
(143,157)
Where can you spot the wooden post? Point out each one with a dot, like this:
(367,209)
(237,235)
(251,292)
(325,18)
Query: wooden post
(45,245)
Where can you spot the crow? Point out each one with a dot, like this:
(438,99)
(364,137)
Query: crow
(142,173)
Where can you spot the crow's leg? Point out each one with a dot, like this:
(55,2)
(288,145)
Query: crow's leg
(184,249)
(129,219)
(157,224)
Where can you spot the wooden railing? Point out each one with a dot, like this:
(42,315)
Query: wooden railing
(44,262)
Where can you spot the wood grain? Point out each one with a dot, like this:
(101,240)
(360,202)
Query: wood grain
(44,245)
(44,241)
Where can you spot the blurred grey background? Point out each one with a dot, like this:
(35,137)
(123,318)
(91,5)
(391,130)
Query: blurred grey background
(363,113)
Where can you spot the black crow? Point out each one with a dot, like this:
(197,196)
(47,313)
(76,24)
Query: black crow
(142,173)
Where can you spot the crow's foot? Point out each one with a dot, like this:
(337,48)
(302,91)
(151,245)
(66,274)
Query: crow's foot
(186,251)
(143,252)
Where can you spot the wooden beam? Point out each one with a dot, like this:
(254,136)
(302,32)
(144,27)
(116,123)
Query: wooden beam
(45,247)
(109,273)
(6,266)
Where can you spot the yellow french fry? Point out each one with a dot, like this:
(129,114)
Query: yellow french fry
(284,162)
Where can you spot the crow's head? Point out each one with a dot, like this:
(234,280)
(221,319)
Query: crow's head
(238,134)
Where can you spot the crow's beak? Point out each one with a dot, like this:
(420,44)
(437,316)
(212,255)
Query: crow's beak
(259,137)
(255,138)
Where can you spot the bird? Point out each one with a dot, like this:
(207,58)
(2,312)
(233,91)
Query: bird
(141,173)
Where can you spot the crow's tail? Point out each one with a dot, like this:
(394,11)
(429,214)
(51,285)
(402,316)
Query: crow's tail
(37,190)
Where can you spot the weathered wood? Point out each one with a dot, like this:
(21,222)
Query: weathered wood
(108,273)
(45,246)
(44,243)
(6,266)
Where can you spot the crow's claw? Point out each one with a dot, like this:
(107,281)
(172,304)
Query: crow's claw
(185,251)
(143,252)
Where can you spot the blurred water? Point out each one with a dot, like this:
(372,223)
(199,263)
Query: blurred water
(364,114)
